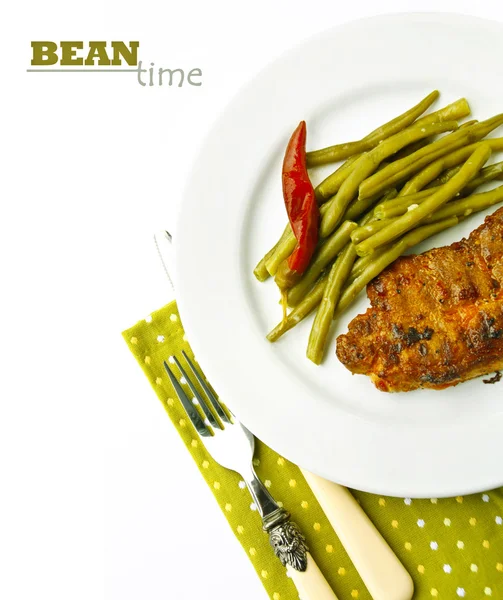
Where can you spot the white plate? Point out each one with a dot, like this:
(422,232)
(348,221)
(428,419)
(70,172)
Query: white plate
(343,83)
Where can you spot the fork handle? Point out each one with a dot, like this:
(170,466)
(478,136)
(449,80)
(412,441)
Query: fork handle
(381,571)
(310,583)
(288,543)
(290,547)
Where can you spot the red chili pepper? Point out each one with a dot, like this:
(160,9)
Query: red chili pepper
(300,201)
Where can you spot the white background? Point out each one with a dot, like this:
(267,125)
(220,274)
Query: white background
(94,482)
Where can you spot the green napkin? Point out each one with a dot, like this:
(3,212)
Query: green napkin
(453,548)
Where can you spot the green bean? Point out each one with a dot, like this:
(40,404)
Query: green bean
(402,121)
(487,174)
(367,164)
(455,208)
(399,206)
(408,150)
(371,217)
(360,207)
(364,232)
(468,123)
(444,177)
(301,311)
(400,170)
(467,206)
(342,151)
(260,271)
(452,112)
(283,251)
(386,211)
(406,222)
(402,204)
(374,197)
(323,320)
(435,168)
(362,263)
(325,254)
(411,148)
(389,195)
(331,184)
(394,251)
(356,209)
(366,220)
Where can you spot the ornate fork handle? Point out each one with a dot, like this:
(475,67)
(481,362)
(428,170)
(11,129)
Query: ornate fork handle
(284,536)
(287,541)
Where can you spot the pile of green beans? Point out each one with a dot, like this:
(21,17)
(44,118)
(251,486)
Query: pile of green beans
(394,188)
(331,185)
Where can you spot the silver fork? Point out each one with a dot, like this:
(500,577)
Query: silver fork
(232,445)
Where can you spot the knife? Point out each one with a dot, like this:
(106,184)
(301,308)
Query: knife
(164,244)
(381,571)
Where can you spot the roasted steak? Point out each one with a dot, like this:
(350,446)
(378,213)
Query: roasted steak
(436,319)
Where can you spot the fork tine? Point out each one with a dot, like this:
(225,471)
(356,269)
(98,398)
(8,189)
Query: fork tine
(211,396)
(202,402)
(190,409)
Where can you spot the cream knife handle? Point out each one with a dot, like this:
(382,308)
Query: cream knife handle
(381,571)
(310,583)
